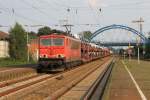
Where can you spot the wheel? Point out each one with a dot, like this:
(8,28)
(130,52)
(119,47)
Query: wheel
(39,69)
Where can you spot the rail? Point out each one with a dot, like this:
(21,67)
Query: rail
(97,89)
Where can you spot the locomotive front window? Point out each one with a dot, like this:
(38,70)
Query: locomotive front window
(46,42)
(58,41)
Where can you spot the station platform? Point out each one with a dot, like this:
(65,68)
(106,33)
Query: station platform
(129,81)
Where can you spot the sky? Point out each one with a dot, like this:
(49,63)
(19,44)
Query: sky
(82,14)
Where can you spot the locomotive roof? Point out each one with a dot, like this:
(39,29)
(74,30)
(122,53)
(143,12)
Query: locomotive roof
(59,35)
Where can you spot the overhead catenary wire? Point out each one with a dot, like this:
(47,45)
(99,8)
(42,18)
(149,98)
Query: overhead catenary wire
(60,4)
(26,18)
(50,5)
(39,10)
(93,13)
(63,6)
(13,12)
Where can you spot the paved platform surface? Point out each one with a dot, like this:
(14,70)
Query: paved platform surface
(120,85)
(141,73)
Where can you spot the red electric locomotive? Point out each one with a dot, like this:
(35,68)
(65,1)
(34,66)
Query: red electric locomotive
(58,52)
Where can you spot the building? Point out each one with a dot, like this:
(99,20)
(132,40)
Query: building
(4,45)
(33,49)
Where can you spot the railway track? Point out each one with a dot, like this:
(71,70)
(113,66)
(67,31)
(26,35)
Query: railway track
(9,82)
(7,74)
(18,68)
(97,89)
(86,88)
(5,90)
(42,88)
(5,69)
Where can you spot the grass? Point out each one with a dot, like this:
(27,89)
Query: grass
(6,62)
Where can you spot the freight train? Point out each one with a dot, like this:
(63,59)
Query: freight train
(60,52)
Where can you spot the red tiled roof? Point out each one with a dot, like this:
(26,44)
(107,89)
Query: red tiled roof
(4,35)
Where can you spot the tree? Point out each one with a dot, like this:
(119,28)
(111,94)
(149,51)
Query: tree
(149,35)
(57,31)
(85,35)
(147,49)
(44,31)
(32,35)
(18,46)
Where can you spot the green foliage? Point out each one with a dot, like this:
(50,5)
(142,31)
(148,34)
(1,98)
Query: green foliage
(44,31)
(140,50)
(58,31)
(10,62)
(85,35)
(47,30)
(32,35)
(147,49)
(17,45)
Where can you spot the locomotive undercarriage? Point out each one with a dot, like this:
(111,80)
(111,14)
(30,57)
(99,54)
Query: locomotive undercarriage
(46,64)
(54,65)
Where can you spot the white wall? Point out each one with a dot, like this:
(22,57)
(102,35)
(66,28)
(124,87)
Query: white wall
(4,49)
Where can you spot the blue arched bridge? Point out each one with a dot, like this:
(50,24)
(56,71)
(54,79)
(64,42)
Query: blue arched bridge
(114,26)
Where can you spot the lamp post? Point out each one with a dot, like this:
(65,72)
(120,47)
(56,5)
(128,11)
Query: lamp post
(129,48)
(129,51)
(28,56)
(138,42)
(141,28)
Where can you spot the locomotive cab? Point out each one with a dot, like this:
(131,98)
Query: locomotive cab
(58,52)
(51,51)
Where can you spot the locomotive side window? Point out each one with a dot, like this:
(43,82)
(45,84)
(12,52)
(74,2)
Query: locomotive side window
(46,42)
(58,42)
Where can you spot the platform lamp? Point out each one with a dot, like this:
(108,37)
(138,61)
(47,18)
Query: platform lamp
(138,43)
(129,51)
(139,22)
(129,48)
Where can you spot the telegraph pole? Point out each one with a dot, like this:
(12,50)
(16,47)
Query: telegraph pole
(27,36)
(65,23)
(140,23)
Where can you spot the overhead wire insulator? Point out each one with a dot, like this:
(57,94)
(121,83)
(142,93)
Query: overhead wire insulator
(68,9)
(100,9)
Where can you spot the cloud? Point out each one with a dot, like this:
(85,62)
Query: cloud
(95,3)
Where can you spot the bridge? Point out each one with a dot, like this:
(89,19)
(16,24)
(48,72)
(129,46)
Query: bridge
(143,40)
(107,44)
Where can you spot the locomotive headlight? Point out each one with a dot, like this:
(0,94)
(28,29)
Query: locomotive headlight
(41,56)
(44,56)
(60,56)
